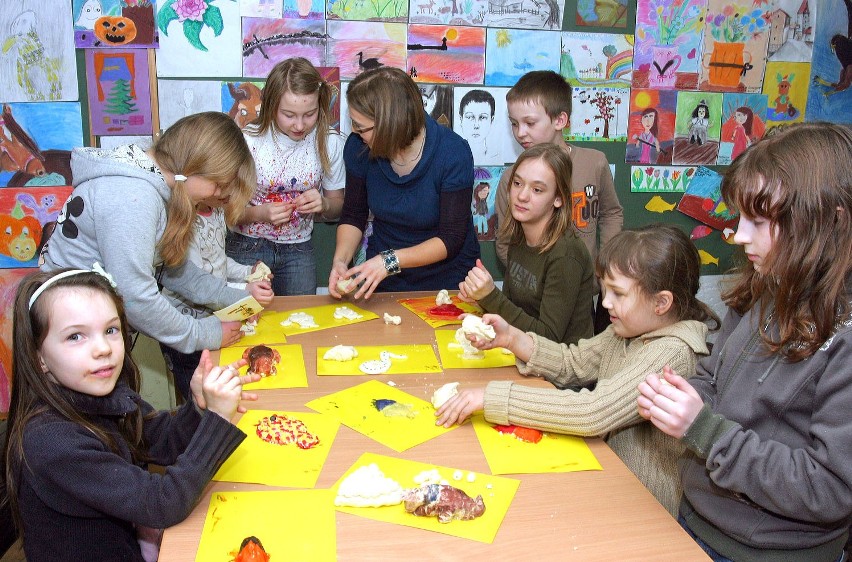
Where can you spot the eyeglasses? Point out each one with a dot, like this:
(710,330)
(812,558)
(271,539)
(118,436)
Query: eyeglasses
(359,130)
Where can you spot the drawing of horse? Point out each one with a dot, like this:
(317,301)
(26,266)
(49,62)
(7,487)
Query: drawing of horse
(246,106)
(20,154)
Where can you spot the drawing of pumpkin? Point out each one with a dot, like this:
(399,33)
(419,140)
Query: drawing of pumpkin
(115,30)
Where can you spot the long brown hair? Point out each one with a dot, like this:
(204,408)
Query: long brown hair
(392,100)
(559,162)
(299,77)
(34,394)
(800,179)
(659,257)
(207,144)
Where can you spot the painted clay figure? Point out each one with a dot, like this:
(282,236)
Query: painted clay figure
(262,360)
(443,501)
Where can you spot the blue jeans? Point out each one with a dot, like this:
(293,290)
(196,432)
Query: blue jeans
(715,556)
(293,265)
(182,366)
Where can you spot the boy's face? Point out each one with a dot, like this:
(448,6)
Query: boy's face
(531,125)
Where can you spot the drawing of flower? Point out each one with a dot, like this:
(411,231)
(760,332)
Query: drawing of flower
(674,18)
(194,15)
(736,25)
(189,9)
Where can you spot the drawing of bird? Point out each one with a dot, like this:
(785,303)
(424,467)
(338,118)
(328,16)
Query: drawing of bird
(841,46)
(368,64)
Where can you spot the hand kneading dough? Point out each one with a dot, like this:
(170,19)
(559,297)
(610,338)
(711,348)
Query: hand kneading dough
(260,273)
(344,285)
(474,325)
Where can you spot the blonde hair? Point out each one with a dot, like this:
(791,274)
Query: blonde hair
(299,77)
(800,179)
(559,162)
(209,145)
(392,100)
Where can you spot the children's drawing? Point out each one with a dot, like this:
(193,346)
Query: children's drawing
(736,37)
(199,38)
(668,43)
(111,142)
(114,23)
(263,9)
(831,96)
(356,46)
(511,53)
(37,58)
(119,95)
(438,53)
(23,213)
(791,31)
(437,101)
(36,141)
(268,41)
(241,101)
(703,201)
(647,179)
(179,98)
(742,124)
(518,14)
(697,128)
(651,125)
(480,120)
(657,204)
(367,10)
(786,89)
(9,281)
(485,182)
(597,59)
(599,114)
(602,13)
(304,9)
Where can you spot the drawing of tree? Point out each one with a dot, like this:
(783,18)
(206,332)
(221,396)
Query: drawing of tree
(606,108)
(119,101)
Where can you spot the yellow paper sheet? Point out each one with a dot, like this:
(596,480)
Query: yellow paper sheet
(256,461)
(354,408)
(497,498)
(452,356)
(421,305)
(323,318)
(267,331)
(291,368)
(292,525)
(419,359)
(507,454)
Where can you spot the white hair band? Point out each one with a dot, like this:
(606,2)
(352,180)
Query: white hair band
(96,268)
(180,177)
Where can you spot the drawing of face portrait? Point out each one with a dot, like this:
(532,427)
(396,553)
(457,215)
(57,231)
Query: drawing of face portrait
(702,112)
(648,121)
(740,117)
(476,121)
(430,98)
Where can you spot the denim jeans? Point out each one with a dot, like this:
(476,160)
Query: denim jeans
(294,266)
(715,556)
(182,366)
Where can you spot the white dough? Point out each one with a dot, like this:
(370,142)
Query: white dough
(396,320)
(474,325)
(468,351)
(340,353)
(440,396)
(303,319)
(367,486)
(443,297)
(346,313)
(431,476)
(260,273)
(344,285)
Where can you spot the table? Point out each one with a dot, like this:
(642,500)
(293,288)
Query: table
(593,515)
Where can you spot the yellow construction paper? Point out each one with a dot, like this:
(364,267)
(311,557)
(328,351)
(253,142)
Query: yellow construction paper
(419,359)
(291,368)
(268,331)
(421,305)
(506,454)
(292,525)
(452,356)
(497,492)
(354,408)
(323,318)
(257,462)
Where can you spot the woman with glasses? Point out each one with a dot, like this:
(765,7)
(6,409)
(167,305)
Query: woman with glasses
(416,178)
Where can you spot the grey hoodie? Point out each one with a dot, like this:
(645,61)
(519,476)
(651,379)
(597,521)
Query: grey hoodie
(116,215)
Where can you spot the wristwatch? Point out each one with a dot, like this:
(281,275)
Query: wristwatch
(391,262)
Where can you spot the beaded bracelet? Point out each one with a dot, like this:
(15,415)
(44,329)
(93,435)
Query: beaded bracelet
(391,262)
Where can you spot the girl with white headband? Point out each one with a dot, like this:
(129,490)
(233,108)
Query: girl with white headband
(80,437)
(133,211)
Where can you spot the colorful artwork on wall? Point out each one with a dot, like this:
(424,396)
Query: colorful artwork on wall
(356,46)
(126,24)
(478,120)
(651,126)
(831,95)
(791,30)
(37,62)
(597,59)
(786,88)
(23,213)
(269,41)
(119,93)
(743,124)
(516,14)
(485,182)
(511,53)
(367,10)
(668,43)
(652,179)
(703,201)
(599,114)
(9,281)
(439,53)
(697,128)
(602,13)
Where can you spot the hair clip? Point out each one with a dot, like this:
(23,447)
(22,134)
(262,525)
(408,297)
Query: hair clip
(180,177)
(96,268)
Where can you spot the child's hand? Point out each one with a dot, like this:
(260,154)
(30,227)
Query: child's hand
(309,201)
(460,407)
(261,291)
(478,283)
(205,365)
(231,333)
(222,389)
(669,402)
(462,294)
(337,274)
(278,213)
